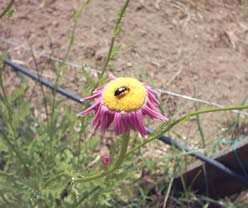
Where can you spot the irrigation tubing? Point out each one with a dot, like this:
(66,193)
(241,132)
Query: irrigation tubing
(42,81)
(164,139)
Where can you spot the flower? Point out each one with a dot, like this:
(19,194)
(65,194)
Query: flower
(106,159)
(123,101)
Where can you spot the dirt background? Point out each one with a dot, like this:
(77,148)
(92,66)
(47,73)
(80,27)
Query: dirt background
(192,47)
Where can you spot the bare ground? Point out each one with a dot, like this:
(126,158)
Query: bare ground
(196,48)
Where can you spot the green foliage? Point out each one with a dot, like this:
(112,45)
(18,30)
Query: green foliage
(8,10)
(47,149)
(54,160)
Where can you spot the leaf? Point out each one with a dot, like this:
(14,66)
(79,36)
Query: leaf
(117,31)
(18,93)
(11,13)
(115,51)
(3,146)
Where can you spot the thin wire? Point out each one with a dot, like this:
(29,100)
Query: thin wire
(198,100)
(98,71)
(164,139)
(47,56)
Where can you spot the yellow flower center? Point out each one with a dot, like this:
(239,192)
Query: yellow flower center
(124,94)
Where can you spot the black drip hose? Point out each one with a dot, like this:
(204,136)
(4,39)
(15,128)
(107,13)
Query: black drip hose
(42,81)
(164,139)
(205,159)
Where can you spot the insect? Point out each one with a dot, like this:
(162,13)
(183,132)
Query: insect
(121,90)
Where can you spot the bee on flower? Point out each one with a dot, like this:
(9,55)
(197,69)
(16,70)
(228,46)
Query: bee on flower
(123,101)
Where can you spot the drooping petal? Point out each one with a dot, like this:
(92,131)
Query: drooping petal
(153,114)
(94,106)
(151,90)
(110,118)
(141,125)
(150,105)
(97,125)
(152,98)
(97,117)
(104,119)
(118,123)
(99,89)
(125,122)
(97,121)
(132,121)
(98,94)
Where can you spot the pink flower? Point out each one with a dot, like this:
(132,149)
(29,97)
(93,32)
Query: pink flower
(106,159)
(123,101)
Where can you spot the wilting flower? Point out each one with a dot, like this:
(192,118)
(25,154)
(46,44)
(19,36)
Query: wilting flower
(125,101)
(106,159)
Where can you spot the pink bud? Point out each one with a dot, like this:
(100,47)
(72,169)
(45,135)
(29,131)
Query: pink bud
(106,159)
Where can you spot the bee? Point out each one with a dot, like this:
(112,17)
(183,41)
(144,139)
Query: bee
(121,90)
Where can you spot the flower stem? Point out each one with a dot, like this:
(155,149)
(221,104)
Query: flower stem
(80,179)
(60,73)
(72,38)
(9,119)
(170,124)
(11,2)
(114,36)
(124,145)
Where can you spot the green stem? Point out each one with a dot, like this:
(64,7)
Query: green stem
(52,124)
(11,2)
(79,138)
(237,120)
(9,122)
(115,34)
(169,125)
(86,196)
(114,37)
(18,155)
(57,177)
(76,18)
(124,146)
(200,128)
(41,86)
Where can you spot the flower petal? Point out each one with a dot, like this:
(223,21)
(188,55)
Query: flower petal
(110,118)
(132,121)
(98,94)
(112,77)
(93,107)
(151,90)
(150,105)
(118,123)
(153,114)
(152,98)
(99,89)
(125,121)
(130,118)
(104,119)
(141,125)
(97,117)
